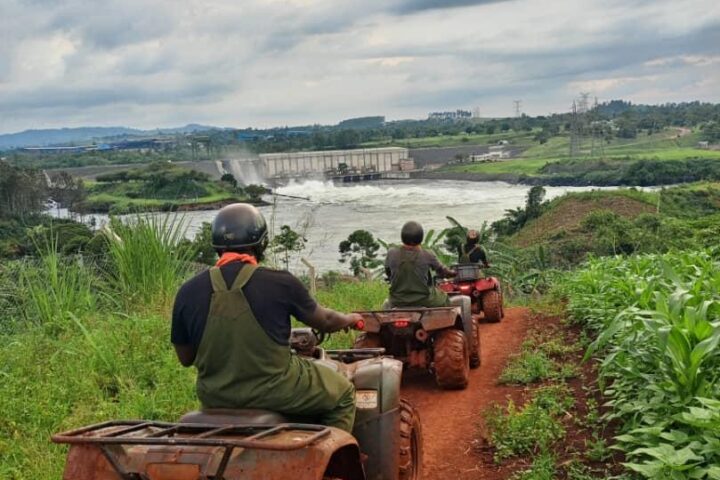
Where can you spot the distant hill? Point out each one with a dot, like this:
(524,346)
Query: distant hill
(80,135)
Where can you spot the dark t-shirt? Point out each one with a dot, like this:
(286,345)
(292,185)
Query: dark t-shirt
(273,296)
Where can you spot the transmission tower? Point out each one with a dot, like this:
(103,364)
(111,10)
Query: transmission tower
(518,107)
(575,140)
(583,102)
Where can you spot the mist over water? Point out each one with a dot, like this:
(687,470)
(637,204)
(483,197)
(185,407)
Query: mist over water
(244,170)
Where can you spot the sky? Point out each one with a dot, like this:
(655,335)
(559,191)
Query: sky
(262,63)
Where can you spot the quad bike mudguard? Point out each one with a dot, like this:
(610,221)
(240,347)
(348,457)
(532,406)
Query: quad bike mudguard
(377,417)
(175,451)
(430,318)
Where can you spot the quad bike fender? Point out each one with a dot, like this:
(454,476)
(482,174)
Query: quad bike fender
(465,304)
(336,456)
(487,283)
(377,414)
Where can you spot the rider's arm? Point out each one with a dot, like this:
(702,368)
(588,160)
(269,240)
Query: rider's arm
(186,354)
(327,320)
(180,330)
(307,310)
(439,268)
(483,256)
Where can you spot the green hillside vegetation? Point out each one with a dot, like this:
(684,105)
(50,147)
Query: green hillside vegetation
(666,157)
(571,227)
(161,186)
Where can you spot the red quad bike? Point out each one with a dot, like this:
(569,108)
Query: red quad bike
(444,340)
(485,292)
(386,441)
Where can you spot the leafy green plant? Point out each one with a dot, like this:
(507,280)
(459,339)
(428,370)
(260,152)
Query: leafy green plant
(529,429)
(655,319)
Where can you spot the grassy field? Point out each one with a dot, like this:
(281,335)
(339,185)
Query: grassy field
(664,145)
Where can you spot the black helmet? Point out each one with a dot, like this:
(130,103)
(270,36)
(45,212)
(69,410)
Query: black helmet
(239,226)
(412,233)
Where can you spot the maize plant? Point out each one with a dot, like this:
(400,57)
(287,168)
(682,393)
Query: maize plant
(656,324)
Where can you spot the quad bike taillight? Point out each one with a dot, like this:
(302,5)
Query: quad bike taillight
(401,323)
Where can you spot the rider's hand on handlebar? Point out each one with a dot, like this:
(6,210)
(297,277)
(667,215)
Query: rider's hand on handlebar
(353,319)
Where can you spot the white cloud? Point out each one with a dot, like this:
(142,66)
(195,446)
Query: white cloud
(275,62)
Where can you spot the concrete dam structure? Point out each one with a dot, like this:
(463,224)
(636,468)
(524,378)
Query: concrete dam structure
(314,164)
(274,168)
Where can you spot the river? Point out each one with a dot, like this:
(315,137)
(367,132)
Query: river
(333,211)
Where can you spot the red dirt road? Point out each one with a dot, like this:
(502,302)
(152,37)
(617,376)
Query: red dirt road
(451,419)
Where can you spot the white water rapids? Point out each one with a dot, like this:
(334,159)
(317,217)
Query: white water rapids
(333,211)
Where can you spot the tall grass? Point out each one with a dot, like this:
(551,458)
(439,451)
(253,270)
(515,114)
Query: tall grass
(55,287)
(657,325)
(147,263)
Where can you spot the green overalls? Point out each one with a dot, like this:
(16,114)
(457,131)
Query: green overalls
(465,255)
(240,366)
(409,289)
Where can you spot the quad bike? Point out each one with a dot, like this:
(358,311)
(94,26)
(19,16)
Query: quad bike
(485,292)
(386,442)
(444,340)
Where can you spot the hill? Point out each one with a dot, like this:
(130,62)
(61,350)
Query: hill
(565,216)
(621,222)
(61,136)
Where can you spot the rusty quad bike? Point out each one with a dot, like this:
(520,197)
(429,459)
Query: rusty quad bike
(386,442)
(485,292)
(444,340)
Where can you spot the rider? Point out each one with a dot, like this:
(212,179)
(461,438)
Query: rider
(408,268)
(233,323)
(471,251)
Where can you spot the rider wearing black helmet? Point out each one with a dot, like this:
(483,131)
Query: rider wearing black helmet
(233,323)
(408,267)
(471,251)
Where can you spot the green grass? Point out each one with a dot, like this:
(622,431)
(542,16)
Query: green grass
(662,146)
(531,428)
(541,358)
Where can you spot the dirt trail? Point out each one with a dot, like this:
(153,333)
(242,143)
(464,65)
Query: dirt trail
(450,419)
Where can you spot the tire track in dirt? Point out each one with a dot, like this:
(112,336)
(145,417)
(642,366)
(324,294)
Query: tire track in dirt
(451,419)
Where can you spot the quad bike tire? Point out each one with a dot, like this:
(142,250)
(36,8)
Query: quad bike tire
(492,306)
(367,340)
(411,443)
(451,359)
(475,350)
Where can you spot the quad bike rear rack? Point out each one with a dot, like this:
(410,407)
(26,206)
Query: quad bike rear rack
(138,432)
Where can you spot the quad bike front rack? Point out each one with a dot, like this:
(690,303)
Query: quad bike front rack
(138,432)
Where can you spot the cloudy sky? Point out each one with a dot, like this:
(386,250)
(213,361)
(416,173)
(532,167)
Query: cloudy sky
(158,63)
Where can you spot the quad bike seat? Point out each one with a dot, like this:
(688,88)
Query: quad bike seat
(228,416)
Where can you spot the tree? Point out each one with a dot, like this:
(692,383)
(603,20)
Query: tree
(360,249)
(22,191)
(255,191)
(67,190)
(230,179)
(287,242)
